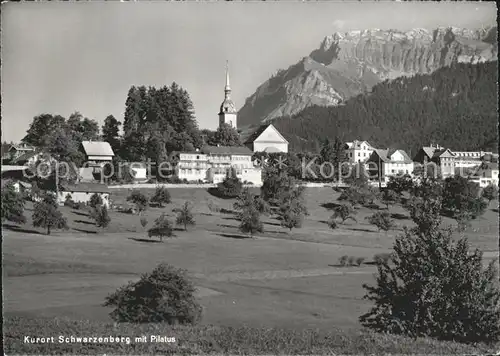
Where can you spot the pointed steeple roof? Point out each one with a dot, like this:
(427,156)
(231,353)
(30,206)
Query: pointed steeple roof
(227,105)
(227,87)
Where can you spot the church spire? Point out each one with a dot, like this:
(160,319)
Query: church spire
(227,88)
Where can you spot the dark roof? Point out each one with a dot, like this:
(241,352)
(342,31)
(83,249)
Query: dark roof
(385,155)
(439,152)
(86,187)
(235,150)
(26,156)
(253,135)
(250,136)
(21,147)
(357,144)
(97,148)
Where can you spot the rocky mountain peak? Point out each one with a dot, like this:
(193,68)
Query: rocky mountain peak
(348,63)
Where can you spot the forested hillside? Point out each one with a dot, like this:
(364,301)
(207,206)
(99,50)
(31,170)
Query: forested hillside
(454,106)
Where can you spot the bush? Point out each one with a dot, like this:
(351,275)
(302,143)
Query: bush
(490,193)
(344,212)
(250,221)
(161,196)
(351,260)
(165,295)
(95,200)
(461,197)
(435,288)
(382,220)
(360,260)
(332,223)
(381,258)
(174,180)
(144,222)
(79,206)
(343,260)
(139,199)
(231,186)
(101,216)
(68,200)
(248,199)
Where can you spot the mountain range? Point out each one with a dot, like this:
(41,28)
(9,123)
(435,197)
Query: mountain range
(351,63)
(455,106)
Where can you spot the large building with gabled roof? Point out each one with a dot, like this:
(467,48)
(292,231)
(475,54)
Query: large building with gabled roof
(440,156)
(266,138)
(212,163)
(389,162)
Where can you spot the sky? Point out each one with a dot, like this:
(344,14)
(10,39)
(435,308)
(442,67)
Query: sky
(62,57)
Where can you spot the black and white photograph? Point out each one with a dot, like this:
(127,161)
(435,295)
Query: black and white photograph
(250,177)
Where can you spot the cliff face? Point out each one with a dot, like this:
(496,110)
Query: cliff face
(347,64)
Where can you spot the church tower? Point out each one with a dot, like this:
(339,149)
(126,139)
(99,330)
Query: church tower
(227,113)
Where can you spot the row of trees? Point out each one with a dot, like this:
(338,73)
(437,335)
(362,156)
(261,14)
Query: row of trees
(432,285)
(46,213)
(462,199)
(157,123)
(281,195)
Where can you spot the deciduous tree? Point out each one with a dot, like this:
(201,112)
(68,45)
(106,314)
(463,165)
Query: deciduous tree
(162,228)
(161,196)
(225,135)
(100,215)
(46,214)
(490,192)
(382,220)
(139,199)
(343,212)
(185,216)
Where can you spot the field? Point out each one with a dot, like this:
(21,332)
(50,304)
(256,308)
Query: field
(282,279)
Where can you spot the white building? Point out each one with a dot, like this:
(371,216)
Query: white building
(192,166)
(389,162)
(97,152)
(469,159)
(266,138)
(487,174)
(358,151)
(212,163)
(32,157)
(81,193)
(16,151)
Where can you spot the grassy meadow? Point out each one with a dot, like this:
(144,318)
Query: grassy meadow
(286,280)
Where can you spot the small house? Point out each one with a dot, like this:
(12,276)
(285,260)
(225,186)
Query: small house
(389,162)
(81,193)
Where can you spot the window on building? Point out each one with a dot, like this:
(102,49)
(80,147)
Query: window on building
(392,170)
(350,154)
(197,157)
(359,154)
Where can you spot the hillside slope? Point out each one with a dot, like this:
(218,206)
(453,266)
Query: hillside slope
(348,64)
(454,106)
